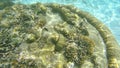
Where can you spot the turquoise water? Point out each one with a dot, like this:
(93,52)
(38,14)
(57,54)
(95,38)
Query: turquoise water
(105,10)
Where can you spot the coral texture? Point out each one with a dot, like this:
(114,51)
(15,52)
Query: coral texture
(54,36)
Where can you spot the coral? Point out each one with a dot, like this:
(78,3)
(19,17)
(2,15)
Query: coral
(30,38)
(79,52)
(33,36)
(113,63)
(106,34)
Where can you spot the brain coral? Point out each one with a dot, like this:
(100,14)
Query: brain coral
(55,36)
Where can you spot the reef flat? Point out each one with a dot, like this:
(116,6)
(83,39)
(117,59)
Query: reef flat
(55,36)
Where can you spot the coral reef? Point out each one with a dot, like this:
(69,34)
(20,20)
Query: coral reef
(5,3)
(53,36)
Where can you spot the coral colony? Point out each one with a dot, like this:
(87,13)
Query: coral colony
(54,36)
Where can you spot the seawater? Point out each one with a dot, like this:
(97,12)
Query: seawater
(105,10)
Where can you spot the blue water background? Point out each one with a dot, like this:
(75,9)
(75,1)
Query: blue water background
(108,11)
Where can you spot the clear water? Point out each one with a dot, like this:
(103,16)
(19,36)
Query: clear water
(108,11)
